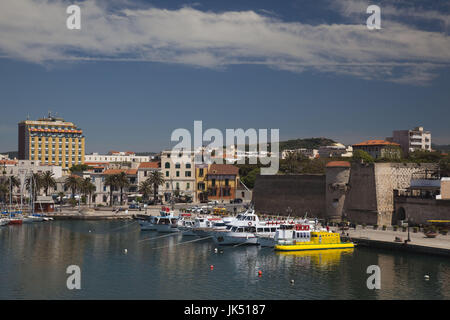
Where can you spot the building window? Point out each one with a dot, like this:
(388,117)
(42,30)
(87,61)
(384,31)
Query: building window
(227,181)
(167,165)
(167,173)
(188,165)
(200,172)
(213,182)
(188,185)
(187,174)
(177,165)
(178,173)
(178,185)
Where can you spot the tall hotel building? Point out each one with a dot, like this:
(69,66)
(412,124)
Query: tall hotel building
(52,141)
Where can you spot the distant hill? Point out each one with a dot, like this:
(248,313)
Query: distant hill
(308,143)
(442,148)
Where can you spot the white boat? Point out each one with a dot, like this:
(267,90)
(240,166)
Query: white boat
(211,225)
(286,233)
(4,222)
(148,223)
(186,226)
(243,230)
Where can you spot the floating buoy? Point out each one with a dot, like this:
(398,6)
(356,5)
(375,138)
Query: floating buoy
(211,267)
(125,250)
(427,277)
(89,230)
(260,273)
(215,250)
(292,281)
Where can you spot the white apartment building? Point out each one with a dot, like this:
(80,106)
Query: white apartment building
(116,156)
(412,140)
(335,150)
(310,153)
(179,174)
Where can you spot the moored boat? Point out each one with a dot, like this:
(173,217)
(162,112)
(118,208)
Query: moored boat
(301,237)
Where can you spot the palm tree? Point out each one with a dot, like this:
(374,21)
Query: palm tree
(48,181)
(145,187)
(122,182)
(87,188)
(61,196)
(156,179)
(111,181)
(73,183)
(35,182)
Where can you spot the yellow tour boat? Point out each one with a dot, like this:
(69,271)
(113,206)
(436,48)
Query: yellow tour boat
(302,238)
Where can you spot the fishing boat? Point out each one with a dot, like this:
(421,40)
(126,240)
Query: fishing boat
(186,225)
(301,237)
(243,230)
(147,223)
(211,225)
(165,222)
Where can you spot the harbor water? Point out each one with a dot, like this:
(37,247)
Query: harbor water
(119,261)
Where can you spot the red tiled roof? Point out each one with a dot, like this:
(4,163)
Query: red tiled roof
(7,162)
(118,171)
(227,169)
(338,164)
(376,143)
(95,163)
(149,165)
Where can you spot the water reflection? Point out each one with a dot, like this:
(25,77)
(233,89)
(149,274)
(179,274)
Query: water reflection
(34,258)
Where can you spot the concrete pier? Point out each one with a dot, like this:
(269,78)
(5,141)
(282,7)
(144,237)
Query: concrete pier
(385,239)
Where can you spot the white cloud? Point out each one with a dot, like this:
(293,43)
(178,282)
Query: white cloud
(36,31)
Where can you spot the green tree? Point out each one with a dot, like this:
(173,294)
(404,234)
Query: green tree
(78,168)
(35,182)
(145,187)
(361,155)
(87,188)
(444,166)
(249,179)
(48,181)
(156,179)
(73,183)
(122,183)
(61,199)
(111,182)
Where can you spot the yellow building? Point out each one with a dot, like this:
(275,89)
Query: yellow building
(52,141)
(222,181)
(201,170)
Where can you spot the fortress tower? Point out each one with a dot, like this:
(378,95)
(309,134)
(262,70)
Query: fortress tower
(337,178)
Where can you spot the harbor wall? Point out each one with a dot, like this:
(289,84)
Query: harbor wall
(418,210)
(290,195)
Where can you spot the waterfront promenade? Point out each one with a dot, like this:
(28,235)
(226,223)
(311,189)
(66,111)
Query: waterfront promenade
(386,239)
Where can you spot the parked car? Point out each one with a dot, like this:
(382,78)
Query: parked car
(213,202)
(134,206)
(237,200)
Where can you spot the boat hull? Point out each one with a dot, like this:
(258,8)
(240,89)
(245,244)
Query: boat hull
(15,221)
(302,247)
(147,226)
(234,238)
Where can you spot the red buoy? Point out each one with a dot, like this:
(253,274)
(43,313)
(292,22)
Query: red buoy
(260,273)
(211,267)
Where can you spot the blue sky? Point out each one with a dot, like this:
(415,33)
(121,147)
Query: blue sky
(138,70)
